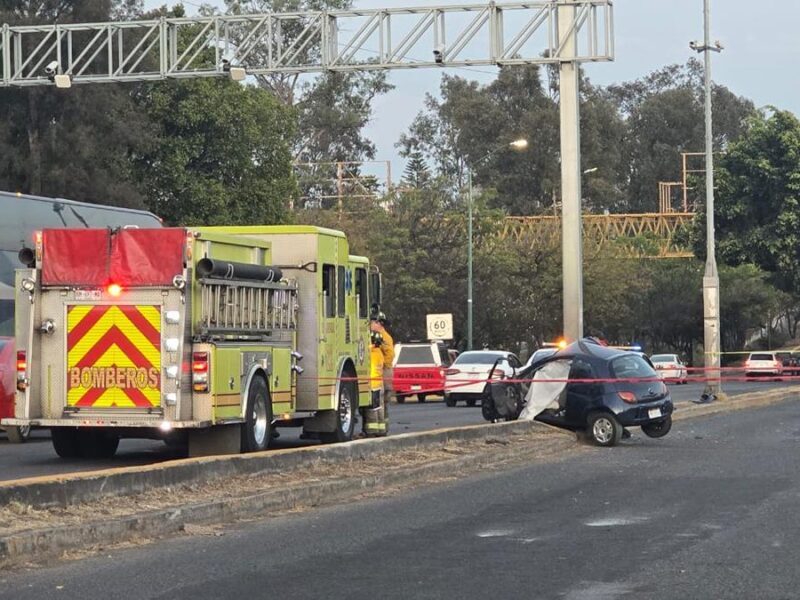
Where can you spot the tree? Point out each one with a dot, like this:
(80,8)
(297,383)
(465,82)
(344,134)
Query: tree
(757,209)
(471,125)
(671,311)
(613,289)
(333,108)
(78,143)
(664,116)
(332,113)
(748,302)
(222,155)
(416,173)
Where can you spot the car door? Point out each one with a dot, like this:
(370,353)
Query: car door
(582,395)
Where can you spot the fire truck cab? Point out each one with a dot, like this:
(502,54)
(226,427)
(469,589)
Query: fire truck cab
(211,336)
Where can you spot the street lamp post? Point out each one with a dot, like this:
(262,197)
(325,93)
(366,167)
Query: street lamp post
(711,322)
(519,145)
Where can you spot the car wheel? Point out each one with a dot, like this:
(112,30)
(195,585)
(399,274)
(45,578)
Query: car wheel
(401,399)
(472,402)
(421,398)
(604,429)
(450,401)
(17,435)
(658,429)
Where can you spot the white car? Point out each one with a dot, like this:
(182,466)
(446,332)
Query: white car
(763,363)
(540,354)
(467,376)
(670,367)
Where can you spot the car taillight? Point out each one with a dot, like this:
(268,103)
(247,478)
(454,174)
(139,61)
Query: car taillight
(452,372)
(442,372)
(22,369)
(498,374)
(628,397)
(200,371)
(776,364)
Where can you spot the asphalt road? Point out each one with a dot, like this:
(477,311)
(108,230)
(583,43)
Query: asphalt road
(37,456)
(710,511)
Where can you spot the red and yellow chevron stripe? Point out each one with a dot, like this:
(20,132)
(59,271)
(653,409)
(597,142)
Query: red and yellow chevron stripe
(114,356)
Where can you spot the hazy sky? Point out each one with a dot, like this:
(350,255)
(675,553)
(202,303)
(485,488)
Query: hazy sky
(760,61)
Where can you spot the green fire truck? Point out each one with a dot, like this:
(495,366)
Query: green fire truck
(211,336)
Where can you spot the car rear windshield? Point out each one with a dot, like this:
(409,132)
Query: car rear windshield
(415,355)
(762,357)
(477,358)
(631,366)
(663,358)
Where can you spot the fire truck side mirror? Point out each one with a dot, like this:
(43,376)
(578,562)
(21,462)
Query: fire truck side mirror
(375,288)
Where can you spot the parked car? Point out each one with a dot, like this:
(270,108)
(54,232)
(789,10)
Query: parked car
(419,369)
(628,392)
(8,376)
(466,378)
(670,367)
(763,363)
(790,362)
(540,354)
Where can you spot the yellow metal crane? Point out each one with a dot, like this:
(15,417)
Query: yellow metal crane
(648,235)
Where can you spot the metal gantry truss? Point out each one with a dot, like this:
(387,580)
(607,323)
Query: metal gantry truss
(512,33)
(653,235)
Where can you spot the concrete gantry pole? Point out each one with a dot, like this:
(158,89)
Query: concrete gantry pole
(571,235)
(711,320)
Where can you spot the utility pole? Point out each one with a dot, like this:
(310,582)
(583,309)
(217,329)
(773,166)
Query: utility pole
(571,235)
(469,263)
(711,323)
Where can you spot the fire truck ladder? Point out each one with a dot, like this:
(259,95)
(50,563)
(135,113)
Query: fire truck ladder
(653,235)
(247,309)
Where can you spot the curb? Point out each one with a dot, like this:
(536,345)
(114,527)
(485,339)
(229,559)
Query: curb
(53,542)
(65,490)
(740,402)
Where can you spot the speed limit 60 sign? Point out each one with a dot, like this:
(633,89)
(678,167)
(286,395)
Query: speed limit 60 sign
(440,327)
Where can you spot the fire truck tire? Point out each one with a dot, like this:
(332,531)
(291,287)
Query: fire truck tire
(256,431)
(97,443)
(17,435)
(345,413)
(65,442)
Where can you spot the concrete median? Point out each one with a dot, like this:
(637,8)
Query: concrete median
(69,489)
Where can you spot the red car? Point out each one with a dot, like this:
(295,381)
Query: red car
(419,369)
(8,373)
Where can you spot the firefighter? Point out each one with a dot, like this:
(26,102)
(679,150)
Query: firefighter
(376,418)
(379,324)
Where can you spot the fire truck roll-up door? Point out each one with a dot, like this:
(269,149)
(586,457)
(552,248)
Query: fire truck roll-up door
(111,326)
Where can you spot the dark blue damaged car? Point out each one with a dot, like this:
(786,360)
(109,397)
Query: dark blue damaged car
(608,390)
